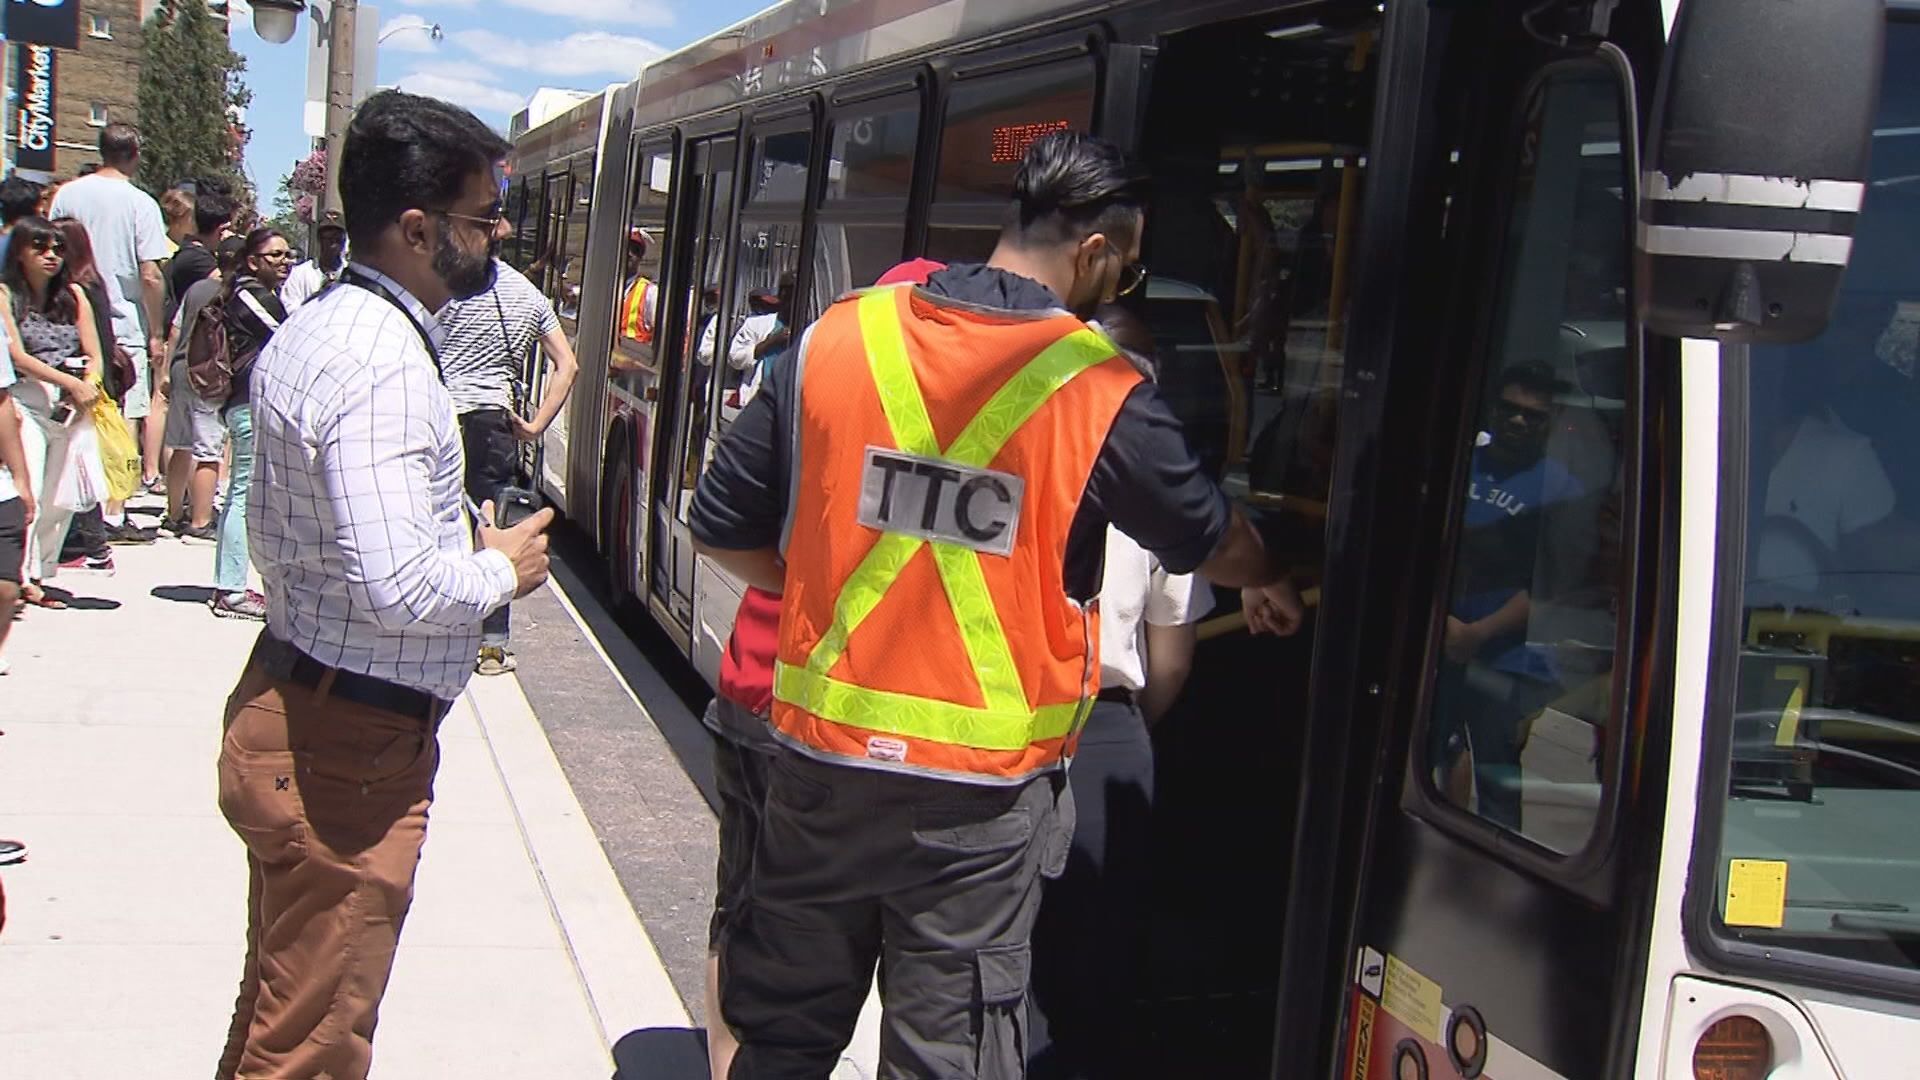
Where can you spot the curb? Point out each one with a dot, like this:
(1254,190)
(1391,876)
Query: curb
(620,971)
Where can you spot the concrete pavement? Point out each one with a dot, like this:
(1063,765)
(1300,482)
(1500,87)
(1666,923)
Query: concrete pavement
(522,956)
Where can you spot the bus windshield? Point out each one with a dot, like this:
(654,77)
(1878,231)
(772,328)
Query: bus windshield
(1818,852)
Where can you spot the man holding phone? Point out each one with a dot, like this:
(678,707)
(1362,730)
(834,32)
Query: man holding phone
(491,337)
(375,590)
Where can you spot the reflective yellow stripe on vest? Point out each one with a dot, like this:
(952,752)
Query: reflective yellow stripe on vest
(1006,722)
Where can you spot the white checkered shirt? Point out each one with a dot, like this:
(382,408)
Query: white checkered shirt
(357,515)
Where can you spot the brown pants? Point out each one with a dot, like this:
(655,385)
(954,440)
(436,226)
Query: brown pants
(331,799)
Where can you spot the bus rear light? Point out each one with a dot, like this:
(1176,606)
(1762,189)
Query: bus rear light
(1736,1048)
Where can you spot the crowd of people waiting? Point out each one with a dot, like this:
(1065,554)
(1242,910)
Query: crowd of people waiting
(104,291)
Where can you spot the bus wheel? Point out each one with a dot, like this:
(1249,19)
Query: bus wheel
(616,528)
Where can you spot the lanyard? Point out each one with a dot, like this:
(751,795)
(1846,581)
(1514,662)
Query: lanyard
(350,276)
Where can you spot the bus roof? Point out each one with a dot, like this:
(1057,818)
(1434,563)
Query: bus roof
(800,42)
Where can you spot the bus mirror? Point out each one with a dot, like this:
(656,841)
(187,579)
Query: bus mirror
(1757,167)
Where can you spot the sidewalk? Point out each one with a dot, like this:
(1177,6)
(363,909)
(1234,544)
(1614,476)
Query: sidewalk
(521,957)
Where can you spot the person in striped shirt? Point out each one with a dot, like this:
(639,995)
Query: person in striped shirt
(490,339)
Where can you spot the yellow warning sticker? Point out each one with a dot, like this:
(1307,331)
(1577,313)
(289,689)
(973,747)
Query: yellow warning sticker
(1413,999)
(1757,893)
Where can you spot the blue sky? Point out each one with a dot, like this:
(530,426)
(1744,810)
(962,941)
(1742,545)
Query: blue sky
(495,53)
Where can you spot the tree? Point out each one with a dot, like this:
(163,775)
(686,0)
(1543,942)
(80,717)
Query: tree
(299,191)
(190,95)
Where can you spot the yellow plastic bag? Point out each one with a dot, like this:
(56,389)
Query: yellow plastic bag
(119,451)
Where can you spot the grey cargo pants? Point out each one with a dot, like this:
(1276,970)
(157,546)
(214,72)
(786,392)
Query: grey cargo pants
(937,881)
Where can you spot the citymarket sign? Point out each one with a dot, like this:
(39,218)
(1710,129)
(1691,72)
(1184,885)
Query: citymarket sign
(44,22)
(33,133)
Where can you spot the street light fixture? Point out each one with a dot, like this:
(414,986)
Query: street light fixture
(434,32)
(276,20)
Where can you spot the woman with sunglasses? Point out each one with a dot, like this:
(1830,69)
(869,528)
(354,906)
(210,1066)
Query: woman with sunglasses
(254,312)
(55,347)
(89,539)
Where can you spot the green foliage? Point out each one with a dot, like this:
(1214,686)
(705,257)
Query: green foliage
(189,82)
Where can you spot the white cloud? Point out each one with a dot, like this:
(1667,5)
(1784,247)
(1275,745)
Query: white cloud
(615,12)
(476,94)
(407,34)
(626,12)
(592,52)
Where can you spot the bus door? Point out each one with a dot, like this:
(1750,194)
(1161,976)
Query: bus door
(692,389)
(1463,818)
(568,276)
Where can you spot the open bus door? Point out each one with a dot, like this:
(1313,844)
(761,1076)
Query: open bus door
(690,385)
(1485,756)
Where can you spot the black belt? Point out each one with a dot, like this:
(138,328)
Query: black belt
(1116,695)
(283,661)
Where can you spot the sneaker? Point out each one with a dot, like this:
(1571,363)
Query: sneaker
(250,605)
(125,533)
(98,563)
(11,852)
(495,660)
(205,534)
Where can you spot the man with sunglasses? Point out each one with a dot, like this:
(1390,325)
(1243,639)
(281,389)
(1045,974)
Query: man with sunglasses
(1493,679)
(358,523)
(965,446)
(489,339)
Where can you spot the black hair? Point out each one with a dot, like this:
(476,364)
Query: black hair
(88,169)
(229,254)
(210,211)
(405,152)
(1071,186)
(253,245)
(1532,376)
(19,197)
(119,144)
(29,233)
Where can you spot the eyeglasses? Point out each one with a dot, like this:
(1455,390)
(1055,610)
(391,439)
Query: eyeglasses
(1132,276)
(495,215)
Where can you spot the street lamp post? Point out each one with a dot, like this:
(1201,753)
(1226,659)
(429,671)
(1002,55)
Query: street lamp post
(276,20)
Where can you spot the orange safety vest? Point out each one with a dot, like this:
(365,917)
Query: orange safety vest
(945,450)
(633,314)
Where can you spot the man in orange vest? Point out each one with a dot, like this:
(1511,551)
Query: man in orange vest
(638,300)
(929,484)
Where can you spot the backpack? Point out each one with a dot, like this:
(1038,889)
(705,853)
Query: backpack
(210,367)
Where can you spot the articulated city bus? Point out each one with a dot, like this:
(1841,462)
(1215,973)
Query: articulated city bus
(1600,752)
(549,197)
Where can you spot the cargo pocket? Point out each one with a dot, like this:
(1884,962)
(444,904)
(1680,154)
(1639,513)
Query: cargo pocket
(967,830)
(1057,838)
(1000,1021)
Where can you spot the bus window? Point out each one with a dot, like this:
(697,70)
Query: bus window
(573,264)
(639,313)
(862,227)
(762,312)
(1523,684)
(1824,782)
(518,249)
(990,121)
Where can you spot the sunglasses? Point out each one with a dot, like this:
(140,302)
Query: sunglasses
(58,247)
(495,215)
(275,256)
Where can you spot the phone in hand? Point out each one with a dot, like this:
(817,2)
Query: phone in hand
(62,412)
(512,506)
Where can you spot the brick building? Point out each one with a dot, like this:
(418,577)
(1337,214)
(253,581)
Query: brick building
(94,84)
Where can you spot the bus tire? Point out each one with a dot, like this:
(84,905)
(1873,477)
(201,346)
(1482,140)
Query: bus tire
(616,521)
